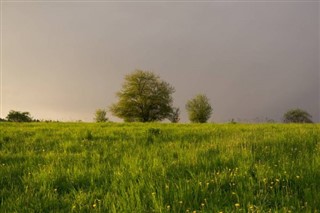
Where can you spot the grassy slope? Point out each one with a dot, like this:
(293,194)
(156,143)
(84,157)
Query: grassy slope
(159,167)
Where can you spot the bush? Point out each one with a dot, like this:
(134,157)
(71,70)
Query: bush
(199,109)
(101,115)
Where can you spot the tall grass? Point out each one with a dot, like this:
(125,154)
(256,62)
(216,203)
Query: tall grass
(82,167)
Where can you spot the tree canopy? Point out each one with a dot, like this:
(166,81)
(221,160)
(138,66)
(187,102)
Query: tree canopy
(199,109)
(144,97)
(297,116)
(16,116)
(100,115)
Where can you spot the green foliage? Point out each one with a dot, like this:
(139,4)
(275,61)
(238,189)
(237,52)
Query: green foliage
(199,109)
(16,116)
(144,97)
(297,116)
(100,115)
(154,167)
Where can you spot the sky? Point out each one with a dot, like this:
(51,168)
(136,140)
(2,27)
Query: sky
(254,60)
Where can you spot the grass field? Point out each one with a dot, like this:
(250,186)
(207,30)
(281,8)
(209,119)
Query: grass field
(88,167)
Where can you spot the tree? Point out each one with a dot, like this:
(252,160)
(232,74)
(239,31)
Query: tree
(16,116)
(297,116)
(144,97)
(174,115)
(199,109)
(100,115)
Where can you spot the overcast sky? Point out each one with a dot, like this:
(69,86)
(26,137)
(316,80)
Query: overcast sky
(253,59)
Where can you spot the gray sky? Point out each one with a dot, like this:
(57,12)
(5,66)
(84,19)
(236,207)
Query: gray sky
(253,59)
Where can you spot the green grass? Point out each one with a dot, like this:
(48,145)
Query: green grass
(87,167)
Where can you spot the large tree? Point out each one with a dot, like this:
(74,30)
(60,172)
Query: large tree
(144,97)
(199,109)
(297,116)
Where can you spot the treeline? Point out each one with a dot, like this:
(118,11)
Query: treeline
(145,97)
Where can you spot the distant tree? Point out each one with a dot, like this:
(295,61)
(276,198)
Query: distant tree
(232,121)
(174,116)
(2,120)
(269,120)
(100,115)
(144,98)
(297,116)
(16,116)
(199,109)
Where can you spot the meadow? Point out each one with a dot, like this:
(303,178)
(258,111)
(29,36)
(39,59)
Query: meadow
(135,167)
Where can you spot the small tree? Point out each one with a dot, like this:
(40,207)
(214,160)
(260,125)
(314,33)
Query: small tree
(16,116)
(144,97)
(175,115)
(297,116)
(199,109)
(101,115)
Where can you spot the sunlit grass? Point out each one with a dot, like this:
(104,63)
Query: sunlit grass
(135,167)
